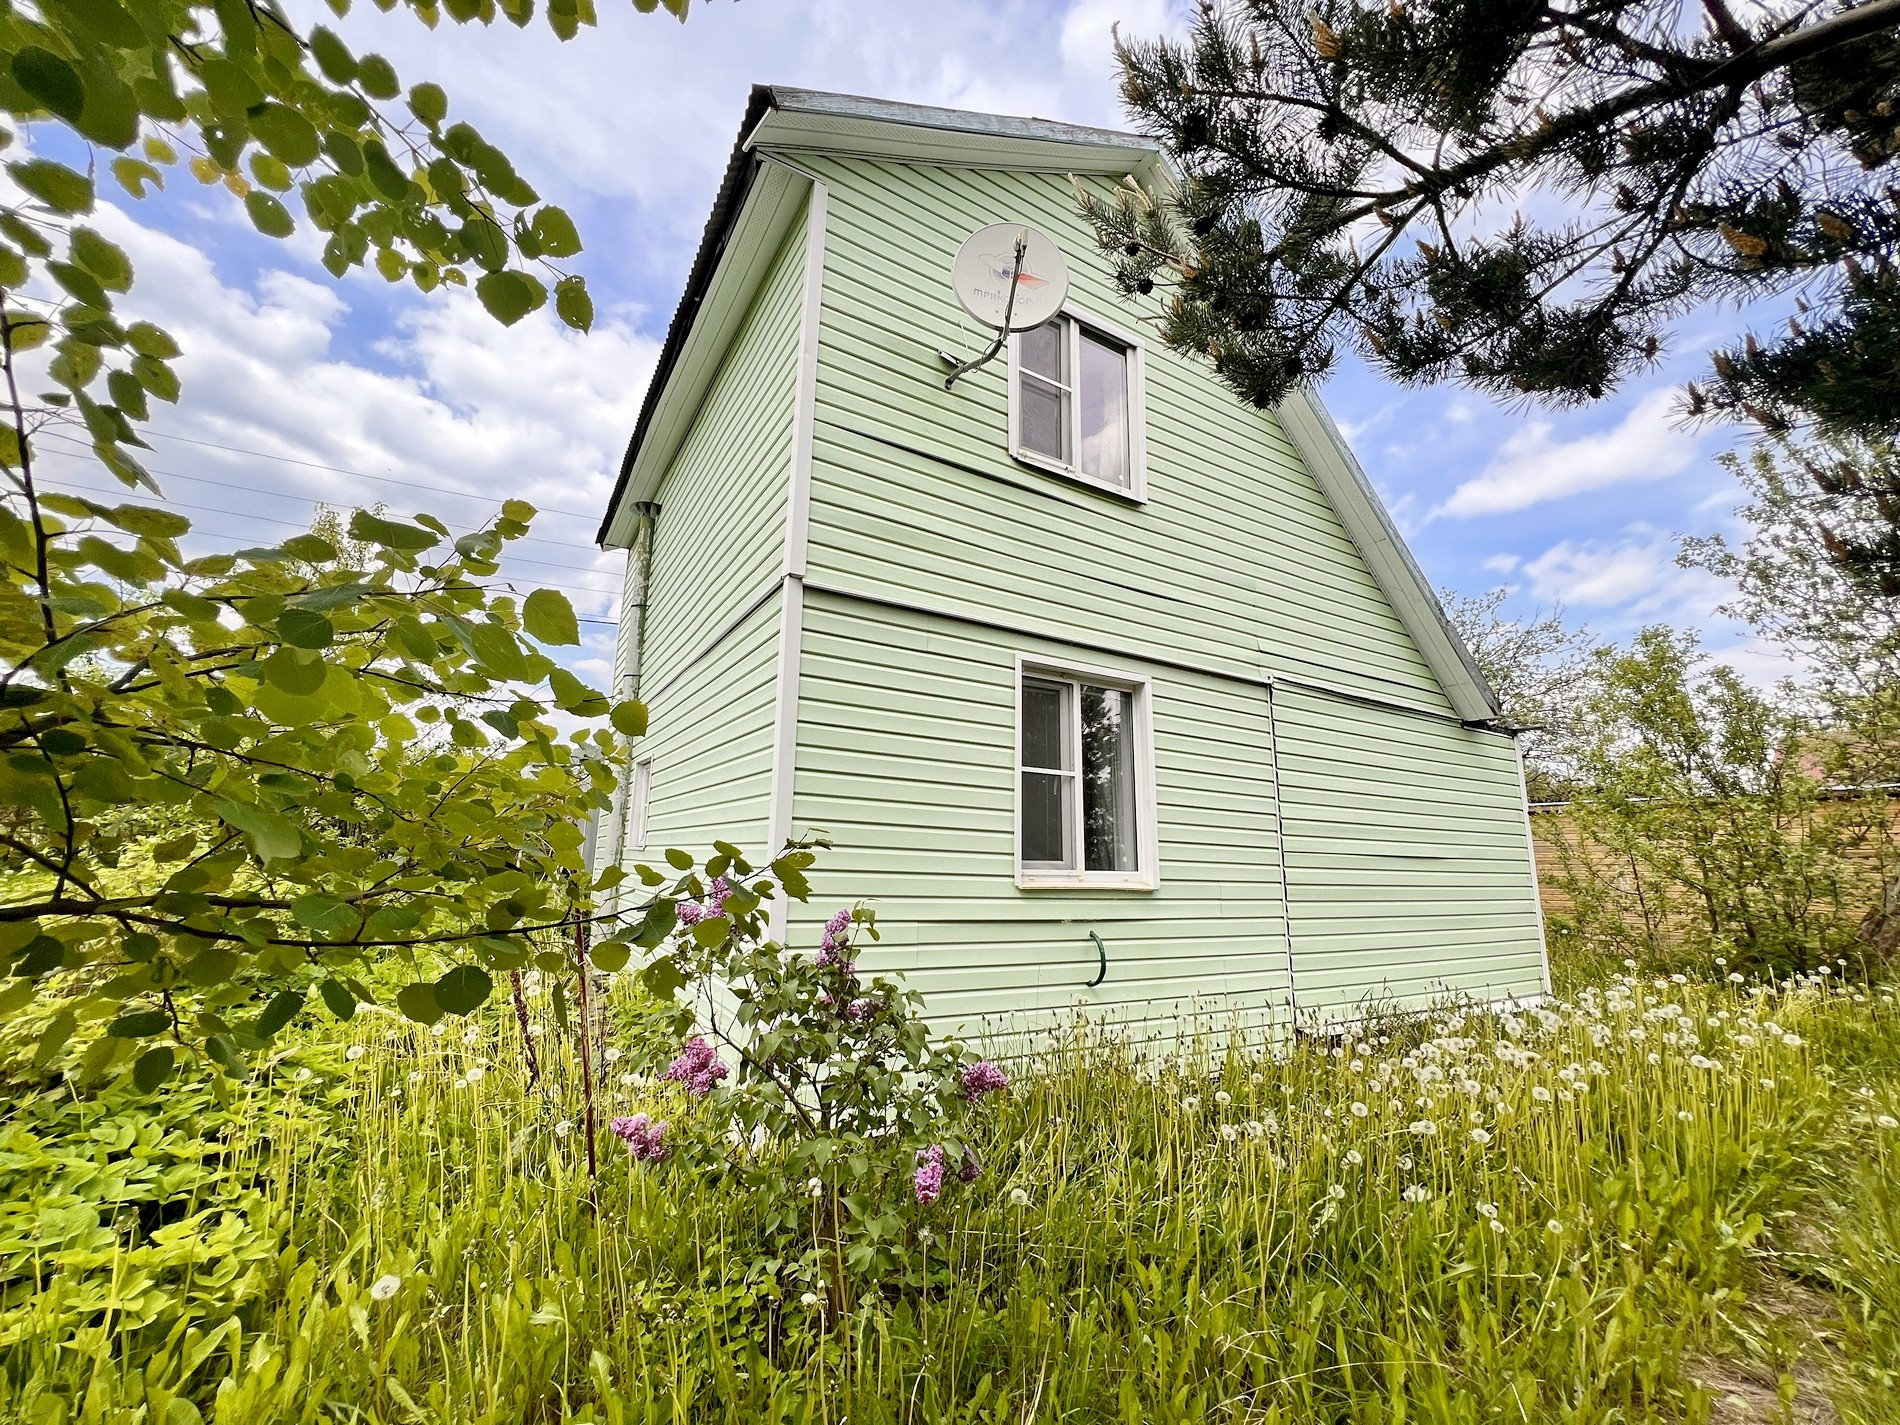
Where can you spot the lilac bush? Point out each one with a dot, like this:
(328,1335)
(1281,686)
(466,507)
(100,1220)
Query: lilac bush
(824,1091)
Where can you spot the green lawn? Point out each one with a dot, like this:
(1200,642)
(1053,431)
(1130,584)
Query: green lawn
(1655,1201)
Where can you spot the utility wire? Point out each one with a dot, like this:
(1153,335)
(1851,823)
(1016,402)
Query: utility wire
(84,451)
(227,537)
(65,482)
(359,474)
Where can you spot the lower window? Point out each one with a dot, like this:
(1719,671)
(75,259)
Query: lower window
(1085,801)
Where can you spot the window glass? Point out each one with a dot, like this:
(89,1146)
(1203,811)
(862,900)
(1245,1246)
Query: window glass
(639,798)
(1102,395)
(1108,779)
(1041,350)
(1045,741)
(1044,415)
(1046,819)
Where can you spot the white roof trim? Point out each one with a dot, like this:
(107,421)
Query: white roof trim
(774,202)
(1340,479)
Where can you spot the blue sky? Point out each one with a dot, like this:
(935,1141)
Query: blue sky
(628,127)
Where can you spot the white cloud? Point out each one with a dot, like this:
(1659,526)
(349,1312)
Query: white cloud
(455,402)
(1501,563)
(1531,468)
(1635,573)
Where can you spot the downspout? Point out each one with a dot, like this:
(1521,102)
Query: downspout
(633,618)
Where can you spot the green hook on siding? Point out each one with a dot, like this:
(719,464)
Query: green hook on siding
(1101,954)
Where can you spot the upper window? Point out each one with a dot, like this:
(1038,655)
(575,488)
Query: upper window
(639,801)
(1075,403)
(1085,800)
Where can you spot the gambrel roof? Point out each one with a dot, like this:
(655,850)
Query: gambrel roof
(757,203)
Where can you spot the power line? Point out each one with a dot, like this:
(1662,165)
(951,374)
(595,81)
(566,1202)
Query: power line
(84,450)
(359,474)
(66,483)
(223,536)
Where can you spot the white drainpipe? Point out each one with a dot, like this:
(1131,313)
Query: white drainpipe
(633,618)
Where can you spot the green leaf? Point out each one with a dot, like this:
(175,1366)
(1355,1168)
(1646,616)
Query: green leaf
(54,184)
(389,533)
(104,260)
(572,695)
(273,837)
(428,103)
(287,134)
(417,1002)
(135,175)
(378,77)
(549,617)
(153,1067)
(106,20)
(629,719)
(554,231)
(463,989)
(609,955)
(326,915)
(140,1024)
(333,56)
(300,677)
(283,1008)
(305,628)
(679,860)
(268,215)
(509,296)
(337,998)
(572,304)
(384,175)
(149,522)
(50,80)
(152,341)
(662,976)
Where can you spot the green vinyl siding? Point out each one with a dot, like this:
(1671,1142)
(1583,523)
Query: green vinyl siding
(1236,562)
(718,548)
(710,744)
(906,758)
(720,536)
(1408,857)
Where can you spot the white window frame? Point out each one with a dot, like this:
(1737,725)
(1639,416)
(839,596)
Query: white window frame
(1137,487)
(639,803)
(1147,873)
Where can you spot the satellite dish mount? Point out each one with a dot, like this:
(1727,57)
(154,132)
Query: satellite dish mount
(1010,277)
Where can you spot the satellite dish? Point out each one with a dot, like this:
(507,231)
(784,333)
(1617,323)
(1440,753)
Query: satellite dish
(1010,277)
(985,265)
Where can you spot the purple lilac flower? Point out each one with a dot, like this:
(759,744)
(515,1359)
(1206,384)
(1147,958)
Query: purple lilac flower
(929,1179)
(699,1067)
(645,1137)
(969,1170)
(983,1077)
(690,912)
(716,895)
(860,1010)
(839,923)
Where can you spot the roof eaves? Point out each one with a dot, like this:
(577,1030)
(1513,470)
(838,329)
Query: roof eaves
(726,206)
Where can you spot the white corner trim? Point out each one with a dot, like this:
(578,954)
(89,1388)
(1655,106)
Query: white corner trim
(791,623)
(1530,850)
(1147,809)
(1330,461)
(805,402)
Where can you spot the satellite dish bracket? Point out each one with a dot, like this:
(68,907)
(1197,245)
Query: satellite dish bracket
(1002,334)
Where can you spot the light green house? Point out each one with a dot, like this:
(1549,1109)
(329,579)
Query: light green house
(1107,687)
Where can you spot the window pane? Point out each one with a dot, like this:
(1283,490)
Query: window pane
(1103,392)
(1045,818)
(1108,779)
(1041,350)
(1043,412)
(1045,741)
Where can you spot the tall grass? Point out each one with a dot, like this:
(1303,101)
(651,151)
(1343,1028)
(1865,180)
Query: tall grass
(1559,1214)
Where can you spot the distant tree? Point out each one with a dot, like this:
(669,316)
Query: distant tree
(1543,671)
(239,781)
(1699,827)
(1524,196)
(1837,617)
